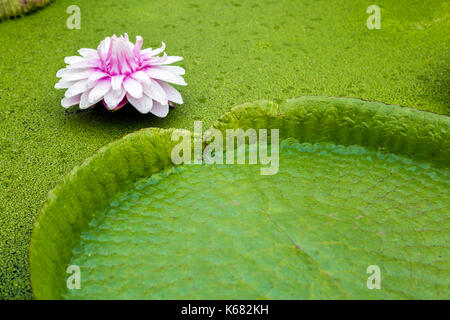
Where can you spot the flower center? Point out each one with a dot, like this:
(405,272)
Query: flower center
(120,58)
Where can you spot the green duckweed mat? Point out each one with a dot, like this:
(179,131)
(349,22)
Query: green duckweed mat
(354,189)
(234,52)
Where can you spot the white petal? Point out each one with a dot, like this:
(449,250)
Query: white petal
(146,51)
(84,52)
(171,93)
(112,100)
(131,44)
(103,47)
(84,101)
(116,82)
(160,110)
(85,63)
(60,72)
(150,53)
(94,77)
(133,87)
(73,59)
(155,91)
(67,102)
(62,84)
(138,45)
(74,74)
(152,61)
(174,69)
(78,88)
(143,104)
(159,59)
(172,59)
(165,76)
(142,77)
(98,92)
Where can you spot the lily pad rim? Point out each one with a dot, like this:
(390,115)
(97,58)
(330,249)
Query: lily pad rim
(261,105)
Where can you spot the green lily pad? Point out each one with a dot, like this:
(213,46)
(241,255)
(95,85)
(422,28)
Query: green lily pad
(359,184)
(15,8)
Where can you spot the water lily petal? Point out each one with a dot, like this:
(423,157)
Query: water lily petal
(103,48)
(63,84)
(85,52)
(160,110)
(165,76)
(173,69)
(171,93)
(155,91)
(60,72)
(98,92)
(84,101)
(150,53)
(76,89)
(94,77)
(142,77)
(73,59)
(67,102)
(91,63)
(116,82)
(152,61)
(74,74)
(143,104)
(138,46)
(112,100)
(133,87)
(172,59)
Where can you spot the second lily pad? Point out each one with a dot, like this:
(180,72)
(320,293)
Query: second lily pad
(359,184)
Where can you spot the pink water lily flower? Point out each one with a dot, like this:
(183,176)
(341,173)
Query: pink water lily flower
(119,72)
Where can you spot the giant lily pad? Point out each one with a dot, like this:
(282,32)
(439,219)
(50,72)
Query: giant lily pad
(15,8)
(359,184)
